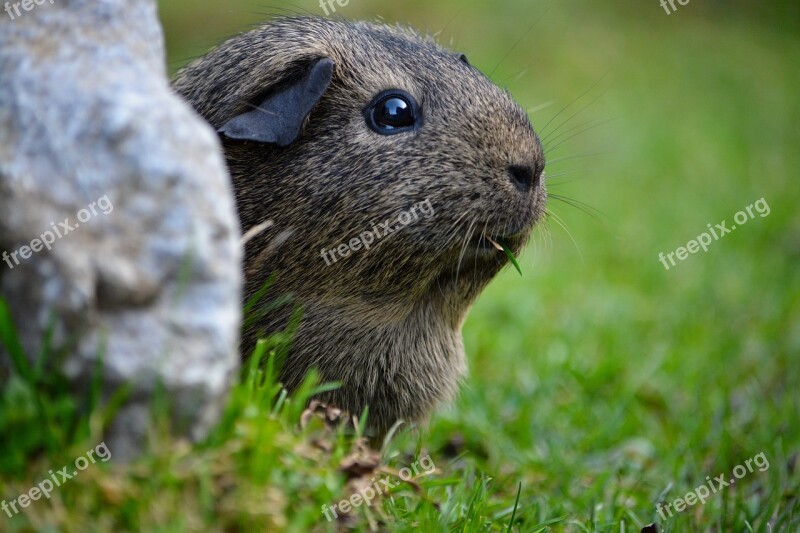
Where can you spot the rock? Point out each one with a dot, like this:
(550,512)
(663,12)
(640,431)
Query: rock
(116,214)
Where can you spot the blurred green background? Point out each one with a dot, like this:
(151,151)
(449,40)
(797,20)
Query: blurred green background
(600,380)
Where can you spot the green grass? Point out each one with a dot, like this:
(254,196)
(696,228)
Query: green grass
(600,381)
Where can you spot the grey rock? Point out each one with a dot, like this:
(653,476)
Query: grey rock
(149,275)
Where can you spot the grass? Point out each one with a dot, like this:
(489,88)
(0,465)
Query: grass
(601,383)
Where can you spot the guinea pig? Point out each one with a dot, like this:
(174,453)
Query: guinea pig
(389,167)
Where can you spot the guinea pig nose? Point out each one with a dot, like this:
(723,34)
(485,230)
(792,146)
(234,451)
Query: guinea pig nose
(523,176)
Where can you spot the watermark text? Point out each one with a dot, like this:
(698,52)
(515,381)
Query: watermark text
(60,477)
(103,206)
(703,492)
(718,231)
(367,238)
(381,486)
(12,8)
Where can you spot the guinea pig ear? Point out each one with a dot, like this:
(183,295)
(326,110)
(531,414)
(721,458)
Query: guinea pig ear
(279,119)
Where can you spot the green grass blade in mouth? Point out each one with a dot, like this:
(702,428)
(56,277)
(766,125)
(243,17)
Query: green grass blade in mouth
(503,248)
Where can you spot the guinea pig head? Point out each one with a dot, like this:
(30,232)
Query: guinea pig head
(389,167)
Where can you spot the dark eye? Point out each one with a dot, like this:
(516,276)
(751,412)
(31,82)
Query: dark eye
(393,112)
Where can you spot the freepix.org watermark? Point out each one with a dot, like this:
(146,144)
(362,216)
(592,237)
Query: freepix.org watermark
(46,486)
(325,4)
(718,231)
(670,4)
(367,238)
(58,231)
(13,8)
(703,492)
(382,486)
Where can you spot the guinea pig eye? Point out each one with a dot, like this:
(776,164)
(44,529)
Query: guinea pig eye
(392,112)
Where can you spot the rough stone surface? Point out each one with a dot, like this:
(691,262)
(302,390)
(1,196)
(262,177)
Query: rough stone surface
(152,283)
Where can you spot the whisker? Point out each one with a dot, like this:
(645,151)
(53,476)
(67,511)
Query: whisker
(587,91)
(518,76)
(539,107)
(551,149)
(524,35)
(456,228)
(577,156)
(593,212)
(464,245)
(541,236)
(587,125)
(563,225)
(475,262)
(575,114)
(458,14)
(562,174)
(297,10)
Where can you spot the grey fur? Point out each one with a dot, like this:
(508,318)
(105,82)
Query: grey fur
(386,322)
